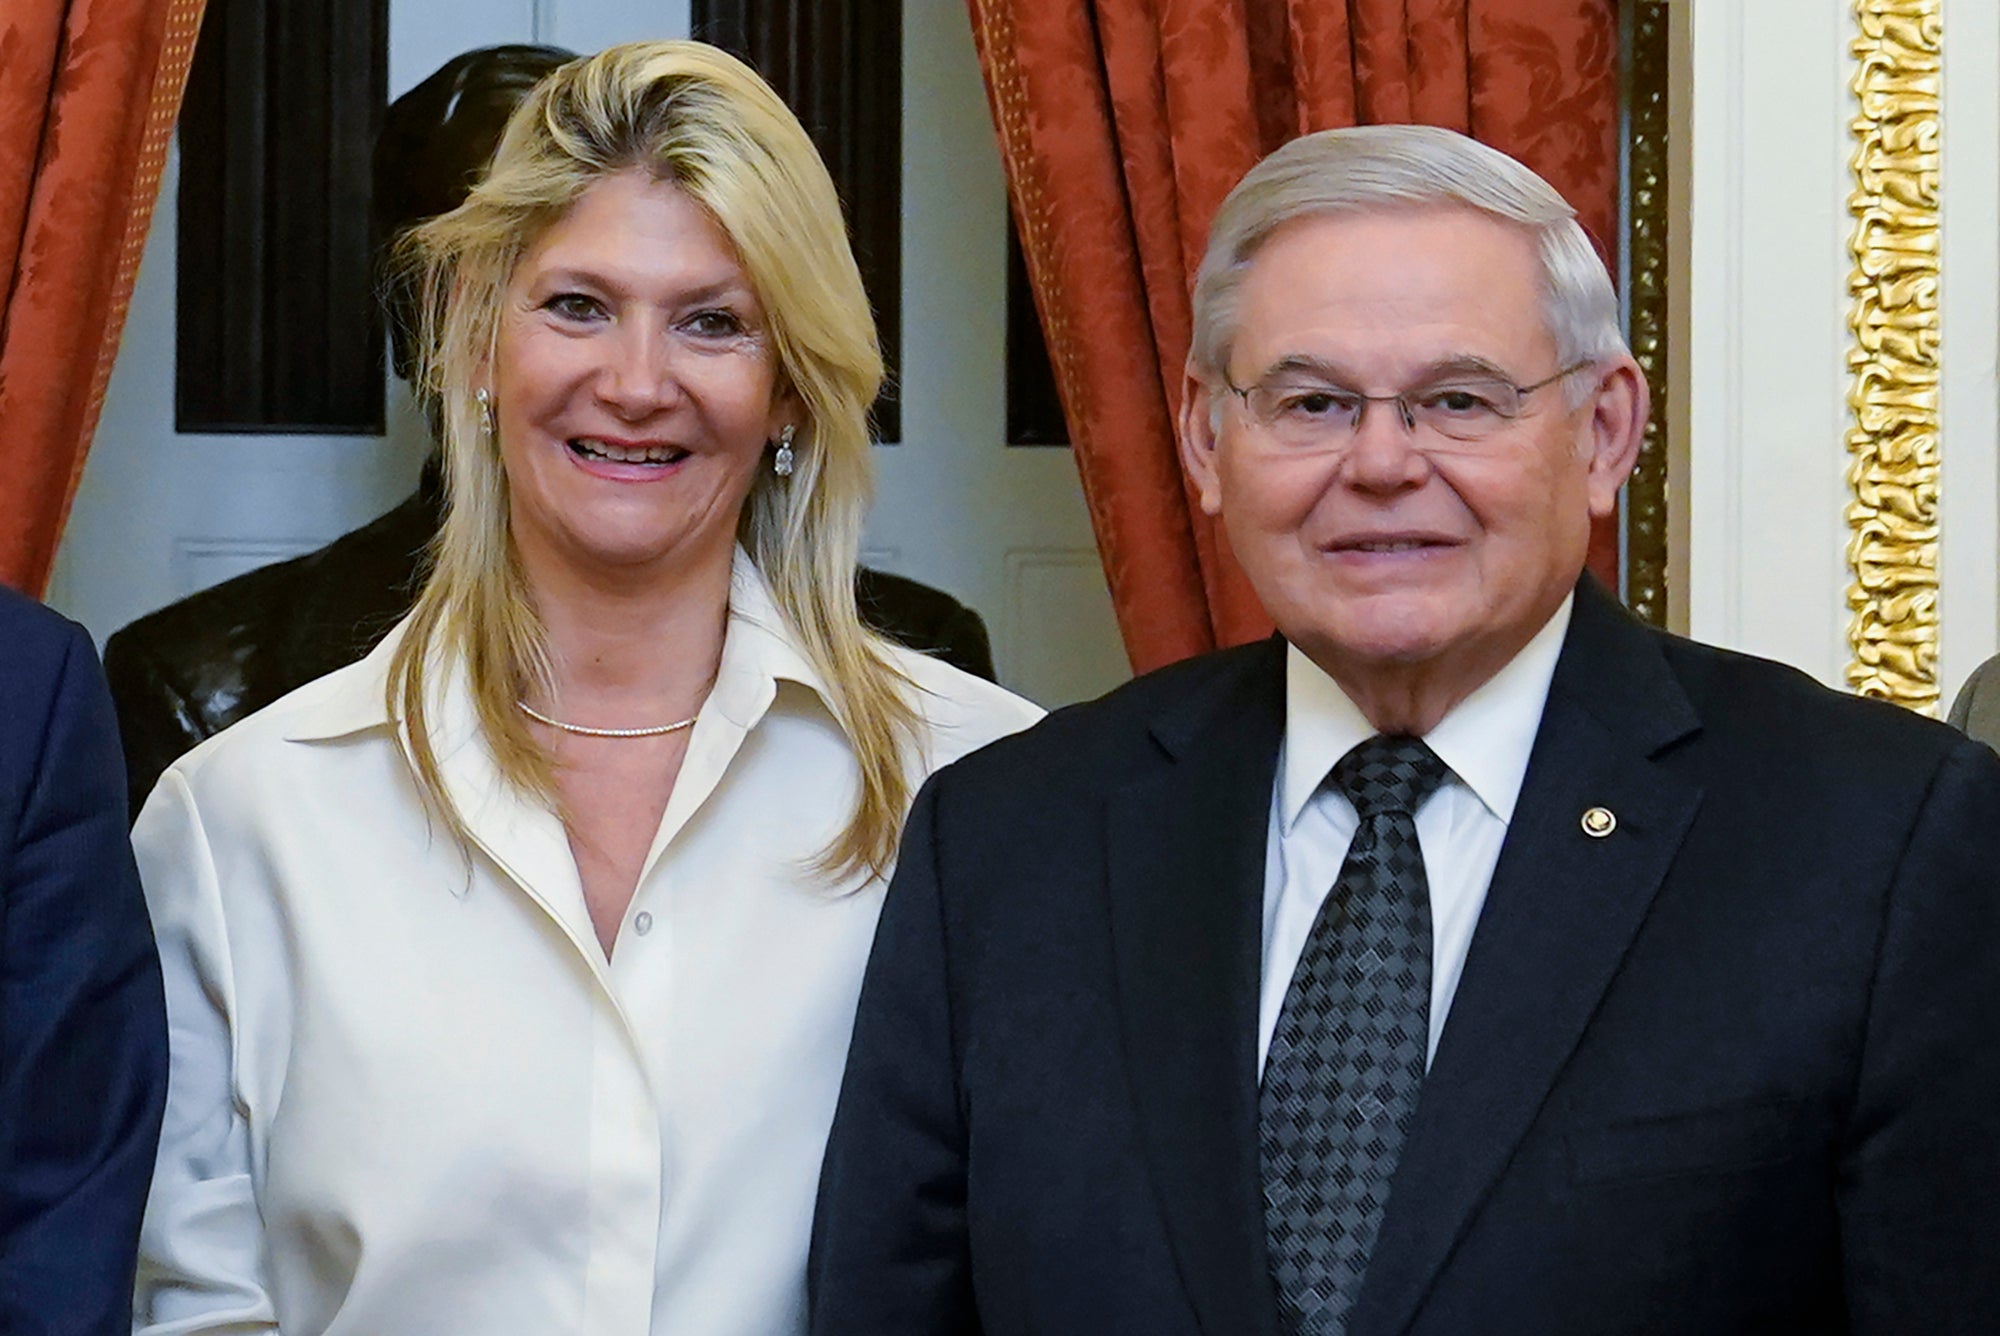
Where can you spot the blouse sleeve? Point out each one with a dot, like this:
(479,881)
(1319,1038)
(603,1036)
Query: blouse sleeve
(201,1250)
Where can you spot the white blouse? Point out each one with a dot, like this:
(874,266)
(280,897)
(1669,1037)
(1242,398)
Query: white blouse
(410,1096)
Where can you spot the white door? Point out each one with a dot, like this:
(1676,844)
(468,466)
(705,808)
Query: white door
(161,514)
(1002,527)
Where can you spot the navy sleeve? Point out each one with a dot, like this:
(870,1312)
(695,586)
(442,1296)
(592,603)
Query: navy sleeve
(83,1044)
(890,1255)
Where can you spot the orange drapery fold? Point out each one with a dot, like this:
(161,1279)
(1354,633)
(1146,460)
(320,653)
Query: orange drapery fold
(89,90)
(1124,123)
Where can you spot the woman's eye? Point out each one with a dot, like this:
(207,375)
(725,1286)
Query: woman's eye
(713,324)
(574,306)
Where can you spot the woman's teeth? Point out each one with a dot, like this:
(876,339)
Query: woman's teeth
(620,454)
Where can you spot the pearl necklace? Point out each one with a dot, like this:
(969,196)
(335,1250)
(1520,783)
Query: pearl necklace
(584,731)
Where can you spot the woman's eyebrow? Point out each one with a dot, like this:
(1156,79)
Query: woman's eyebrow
(566,277)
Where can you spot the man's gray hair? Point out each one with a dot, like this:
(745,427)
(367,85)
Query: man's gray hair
(1374,167)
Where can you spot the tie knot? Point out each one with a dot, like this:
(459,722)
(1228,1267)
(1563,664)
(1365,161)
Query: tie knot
(1389,774)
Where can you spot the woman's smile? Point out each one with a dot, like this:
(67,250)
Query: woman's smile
(625,461)
(608,450)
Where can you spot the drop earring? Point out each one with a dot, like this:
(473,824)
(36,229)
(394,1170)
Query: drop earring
(485,402)
(782,461)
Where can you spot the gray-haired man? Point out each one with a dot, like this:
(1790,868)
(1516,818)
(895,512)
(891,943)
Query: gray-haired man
(1470,958)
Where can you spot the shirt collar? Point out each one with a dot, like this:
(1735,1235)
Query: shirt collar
(1485,739)
(349,700)
(759,650)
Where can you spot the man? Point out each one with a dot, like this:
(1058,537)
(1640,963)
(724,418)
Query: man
(83,1033)
(1976,708)
(1471,959)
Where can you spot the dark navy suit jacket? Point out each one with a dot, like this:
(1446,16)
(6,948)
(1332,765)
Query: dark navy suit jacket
(1733,1068)
(83,1044)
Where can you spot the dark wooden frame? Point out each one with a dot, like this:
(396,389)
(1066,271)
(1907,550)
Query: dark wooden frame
(277,324)
(839,65)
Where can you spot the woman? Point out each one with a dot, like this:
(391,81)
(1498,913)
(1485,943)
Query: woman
(510,971)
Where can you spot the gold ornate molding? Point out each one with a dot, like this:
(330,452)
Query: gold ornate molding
(1647,127)
(1892,442)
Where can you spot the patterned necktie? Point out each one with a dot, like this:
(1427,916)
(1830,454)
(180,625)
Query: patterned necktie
(1347,1058)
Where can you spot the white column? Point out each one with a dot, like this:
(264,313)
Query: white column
(1969,335)
(1761,263)
(1759,230)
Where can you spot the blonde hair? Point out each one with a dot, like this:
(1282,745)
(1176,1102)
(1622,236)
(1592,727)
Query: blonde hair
(688,114)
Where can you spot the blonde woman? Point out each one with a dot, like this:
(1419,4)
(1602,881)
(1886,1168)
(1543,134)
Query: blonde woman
(510,971)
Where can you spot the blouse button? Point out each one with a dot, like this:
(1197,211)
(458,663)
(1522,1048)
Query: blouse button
(642,923)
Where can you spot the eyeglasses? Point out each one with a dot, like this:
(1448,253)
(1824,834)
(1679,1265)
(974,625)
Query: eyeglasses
(1304,414)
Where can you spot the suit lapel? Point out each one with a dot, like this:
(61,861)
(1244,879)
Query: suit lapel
(1559,916)
(1186,866)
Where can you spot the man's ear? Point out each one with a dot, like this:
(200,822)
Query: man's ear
(1615,431)
(1197,441)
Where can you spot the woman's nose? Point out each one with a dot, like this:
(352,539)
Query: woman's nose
(638,374)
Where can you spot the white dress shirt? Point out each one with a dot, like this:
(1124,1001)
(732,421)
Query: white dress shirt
(1485,739)
(411,1096)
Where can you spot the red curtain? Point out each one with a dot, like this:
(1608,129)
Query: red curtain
(89,90)
(1123,123)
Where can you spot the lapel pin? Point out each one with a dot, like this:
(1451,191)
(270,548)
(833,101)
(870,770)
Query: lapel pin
(1599,822)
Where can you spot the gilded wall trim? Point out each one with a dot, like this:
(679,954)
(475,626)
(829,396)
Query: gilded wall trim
(1646,140)
(1892,439)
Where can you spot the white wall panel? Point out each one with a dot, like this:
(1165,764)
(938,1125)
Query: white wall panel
(1969,335)
(1766,269)
(424,34)
(591,25)
(1052,633)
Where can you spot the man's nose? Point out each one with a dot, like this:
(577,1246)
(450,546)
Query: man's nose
(1382,454)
